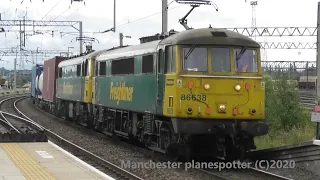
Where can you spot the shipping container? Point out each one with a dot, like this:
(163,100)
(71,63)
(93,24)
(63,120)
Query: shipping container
(50,74)
(36,72)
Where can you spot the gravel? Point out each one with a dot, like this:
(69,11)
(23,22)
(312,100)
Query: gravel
(107,148)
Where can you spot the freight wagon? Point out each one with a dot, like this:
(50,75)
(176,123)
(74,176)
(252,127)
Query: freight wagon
(46,83)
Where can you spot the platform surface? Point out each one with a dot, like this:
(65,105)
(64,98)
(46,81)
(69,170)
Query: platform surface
(43,161)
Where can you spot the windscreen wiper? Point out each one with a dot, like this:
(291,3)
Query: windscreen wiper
(243,50)
(190,51)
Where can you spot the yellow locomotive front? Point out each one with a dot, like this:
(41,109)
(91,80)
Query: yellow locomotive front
(218,83)
(217,88)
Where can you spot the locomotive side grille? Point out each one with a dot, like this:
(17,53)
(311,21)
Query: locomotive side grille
(148,123)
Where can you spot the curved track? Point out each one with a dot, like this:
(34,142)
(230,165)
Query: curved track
(97,162)
(19,129)
(12,119)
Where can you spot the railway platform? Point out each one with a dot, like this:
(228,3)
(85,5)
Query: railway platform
(43,161)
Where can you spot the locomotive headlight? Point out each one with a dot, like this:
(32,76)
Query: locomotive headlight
(189,110)
(222,108)
(237,87)
(207,86)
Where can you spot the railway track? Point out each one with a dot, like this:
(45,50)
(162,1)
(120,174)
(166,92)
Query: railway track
(307,99)
(225,174)
(18,129)
(300,153)
(304,156)
(92,159)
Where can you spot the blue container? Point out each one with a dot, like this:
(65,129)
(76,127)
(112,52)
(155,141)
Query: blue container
(36,71)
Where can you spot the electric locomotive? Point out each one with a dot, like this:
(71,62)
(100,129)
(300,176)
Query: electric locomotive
(199,91)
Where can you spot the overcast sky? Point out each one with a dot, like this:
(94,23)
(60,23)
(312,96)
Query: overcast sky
(97,15)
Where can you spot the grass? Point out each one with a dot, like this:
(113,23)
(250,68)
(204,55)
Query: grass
(281,138)
(289,122)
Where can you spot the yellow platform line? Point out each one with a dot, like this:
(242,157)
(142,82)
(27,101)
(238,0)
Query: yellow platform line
(30,168)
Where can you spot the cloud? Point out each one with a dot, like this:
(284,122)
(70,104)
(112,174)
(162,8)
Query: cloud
(97,15)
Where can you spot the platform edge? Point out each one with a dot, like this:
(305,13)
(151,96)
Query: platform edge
(82,162)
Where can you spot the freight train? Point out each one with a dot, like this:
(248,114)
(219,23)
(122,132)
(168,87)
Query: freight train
(195,92)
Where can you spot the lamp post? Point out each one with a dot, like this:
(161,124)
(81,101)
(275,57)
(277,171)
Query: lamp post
(15,68)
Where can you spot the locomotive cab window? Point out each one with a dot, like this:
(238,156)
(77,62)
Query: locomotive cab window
(170,59)
(78,70)
(220,58)
(160,61)
(96,68)
(122,66)
(60,72)
(147,64)
(85,68)
(102,68)
(195,59)
(246,60)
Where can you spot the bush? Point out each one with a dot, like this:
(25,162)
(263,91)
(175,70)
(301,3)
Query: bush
(289,122)
(283,109)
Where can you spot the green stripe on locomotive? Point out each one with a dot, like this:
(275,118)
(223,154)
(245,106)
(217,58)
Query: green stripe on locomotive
(134,92)
(70,88)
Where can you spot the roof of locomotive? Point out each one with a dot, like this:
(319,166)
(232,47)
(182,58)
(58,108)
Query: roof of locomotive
(145,48)
(204,36)
(210,36)
(80,59)
(73,61)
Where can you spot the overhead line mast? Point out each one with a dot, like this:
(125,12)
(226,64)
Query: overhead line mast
(22,24)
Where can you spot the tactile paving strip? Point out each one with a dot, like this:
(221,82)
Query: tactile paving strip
(29,167)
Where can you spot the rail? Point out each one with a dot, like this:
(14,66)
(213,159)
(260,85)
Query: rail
(307,151)
(307,99)
(20,129)
(81,153)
